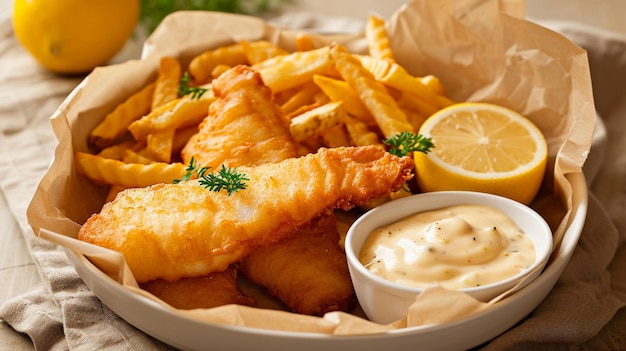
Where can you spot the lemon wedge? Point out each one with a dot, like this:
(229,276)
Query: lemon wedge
(482,147)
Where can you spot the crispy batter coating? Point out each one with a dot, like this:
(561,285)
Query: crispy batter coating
(307,271)
(215,289)
(171,231)
(244,125)
(246,128)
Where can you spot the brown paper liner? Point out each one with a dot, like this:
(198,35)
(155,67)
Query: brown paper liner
(479,52)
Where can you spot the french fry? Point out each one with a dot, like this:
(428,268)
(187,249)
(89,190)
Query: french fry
(416,119)
(377,39)
(390,118)
(159,144)
(396,76)
(185,111)
(304,42)
(259,51)
(315,120)
(433,83)
(416,103)
(305,95)
(360,134)
(115,124)
(289,71)
(218,70)
(166,85)
(335,136)
(201,66)
(117,151)
(339,90)
(131,156)
(105,171)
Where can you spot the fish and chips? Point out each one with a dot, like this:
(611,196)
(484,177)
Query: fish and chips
(303,131)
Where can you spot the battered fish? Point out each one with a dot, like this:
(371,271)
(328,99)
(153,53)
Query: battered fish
(244,127)
(215,289)
(172,231)
(307,271)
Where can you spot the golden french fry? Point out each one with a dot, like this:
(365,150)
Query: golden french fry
(390,118)
(335,136)
(339,90)
(377,39)
(360,134)
(218,70)
(115,124)
(101,170)
(315,120)
(168,79)
(304,42)
(416,119)
(434,84)
(259,51)
(201,67)
(396,76)
(116,151)
(288,71)
(131,156)
(305,95)
(416,104)
(159,145)
(185,111)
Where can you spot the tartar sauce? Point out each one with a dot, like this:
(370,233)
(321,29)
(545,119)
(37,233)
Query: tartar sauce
(459,247)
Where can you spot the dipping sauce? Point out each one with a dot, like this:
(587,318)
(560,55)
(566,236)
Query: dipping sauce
(458,247)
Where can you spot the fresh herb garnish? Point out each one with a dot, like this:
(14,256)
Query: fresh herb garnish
(185,89)
(192,170)
(228,179)
(405,142)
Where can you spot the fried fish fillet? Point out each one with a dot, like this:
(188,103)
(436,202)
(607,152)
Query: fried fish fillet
(215,289)
(244,127)
(307,271)
(172,231)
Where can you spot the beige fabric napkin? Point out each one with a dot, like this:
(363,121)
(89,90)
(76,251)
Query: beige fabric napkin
(63,314)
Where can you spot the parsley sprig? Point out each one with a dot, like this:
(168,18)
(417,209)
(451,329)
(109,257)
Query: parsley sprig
(226,178)
(405,142)
(185,89)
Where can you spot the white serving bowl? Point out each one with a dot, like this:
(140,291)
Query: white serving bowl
(384,301)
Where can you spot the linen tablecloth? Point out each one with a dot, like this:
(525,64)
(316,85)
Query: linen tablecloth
(584,310)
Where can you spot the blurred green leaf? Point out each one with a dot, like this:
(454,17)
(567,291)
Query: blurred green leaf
(153,11)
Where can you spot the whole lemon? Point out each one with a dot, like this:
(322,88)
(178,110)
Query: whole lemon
(74,36)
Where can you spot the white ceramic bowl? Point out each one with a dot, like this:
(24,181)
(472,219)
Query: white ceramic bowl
(384,301)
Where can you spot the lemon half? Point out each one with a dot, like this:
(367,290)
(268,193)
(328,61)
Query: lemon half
(482,147)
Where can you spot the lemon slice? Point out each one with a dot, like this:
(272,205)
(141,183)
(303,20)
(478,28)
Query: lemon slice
(482,147)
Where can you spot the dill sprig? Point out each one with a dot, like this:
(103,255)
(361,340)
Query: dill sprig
(405,142)
(191,171)
(185,89)
(228,179)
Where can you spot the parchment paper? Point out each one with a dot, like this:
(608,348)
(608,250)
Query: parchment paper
(479,52)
